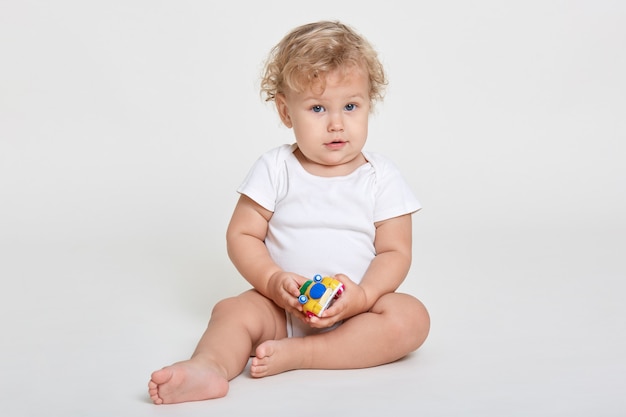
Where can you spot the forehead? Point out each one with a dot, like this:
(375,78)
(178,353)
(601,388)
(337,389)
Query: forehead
(353,81)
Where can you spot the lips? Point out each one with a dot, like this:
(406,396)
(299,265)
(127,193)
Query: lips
(336,144)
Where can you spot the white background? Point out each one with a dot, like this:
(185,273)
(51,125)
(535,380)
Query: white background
(125,127)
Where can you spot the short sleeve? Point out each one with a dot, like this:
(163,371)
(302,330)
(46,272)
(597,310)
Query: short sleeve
(264,182)
(393,195)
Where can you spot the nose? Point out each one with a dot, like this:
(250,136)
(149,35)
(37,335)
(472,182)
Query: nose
(335,122)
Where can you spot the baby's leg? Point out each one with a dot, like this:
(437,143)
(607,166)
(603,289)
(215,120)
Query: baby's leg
(236,327)
(397,325)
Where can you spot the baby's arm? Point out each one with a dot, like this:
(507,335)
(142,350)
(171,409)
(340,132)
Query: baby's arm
(393,243)
(246,248)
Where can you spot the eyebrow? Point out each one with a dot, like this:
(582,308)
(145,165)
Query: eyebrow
(349,98)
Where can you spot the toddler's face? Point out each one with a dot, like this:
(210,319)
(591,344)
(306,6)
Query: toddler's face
(330,126)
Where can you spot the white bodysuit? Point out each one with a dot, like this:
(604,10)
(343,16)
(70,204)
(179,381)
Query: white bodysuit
(325,225)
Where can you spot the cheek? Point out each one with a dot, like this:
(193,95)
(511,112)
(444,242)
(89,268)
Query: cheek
(365,132)
(360,125)
(303,124)
(302,132)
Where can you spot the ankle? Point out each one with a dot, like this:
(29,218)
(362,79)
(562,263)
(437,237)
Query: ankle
(208,362)
(306,352)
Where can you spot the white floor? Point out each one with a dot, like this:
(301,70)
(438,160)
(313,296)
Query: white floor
(520,327)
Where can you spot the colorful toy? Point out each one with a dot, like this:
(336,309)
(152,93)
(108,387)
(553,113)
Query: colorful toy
(317,295)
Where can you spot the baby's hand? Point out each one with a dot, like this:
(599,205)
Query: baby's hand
(351,302)
(284,288)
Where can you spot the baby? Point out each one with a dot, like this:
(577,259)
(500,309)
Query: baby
(321,205)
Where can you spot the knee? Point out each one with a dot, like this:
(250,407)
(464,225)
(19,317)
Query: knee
(410,320)
(234,307)
(420,324)
(250,309)
(226,305)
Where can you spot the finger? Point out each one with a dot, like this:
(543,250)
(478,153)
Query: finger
(293,290)
(322,323)
(301,316)
(331,311)
(296,283)
(300,279)
(292,305)
(343,278)
(337,306)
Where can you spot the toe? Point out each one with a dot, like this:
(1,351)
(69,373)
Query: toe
(161,376)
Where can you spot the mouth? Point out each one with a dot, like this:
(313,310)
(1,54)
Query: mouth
(335,142)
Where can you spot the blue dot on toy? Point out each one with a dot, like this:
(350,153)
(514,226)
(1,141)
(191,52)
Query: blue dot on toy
(317,290)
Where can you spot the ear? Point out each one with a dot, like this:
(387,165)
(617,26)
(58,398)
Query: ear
(283,109)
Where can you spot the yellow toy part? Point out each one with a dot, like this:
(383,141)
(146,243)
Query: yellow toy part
(317,295)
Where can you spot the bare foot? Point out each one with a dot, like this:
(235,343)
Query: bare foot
(276,356)
(186,381)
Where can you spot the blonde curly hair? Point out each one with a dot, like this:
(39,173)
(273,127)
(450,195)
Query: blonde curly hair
(305,55)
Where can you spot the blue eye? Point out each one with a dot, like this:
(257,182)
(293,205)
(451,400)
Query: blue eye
(350,107)
(317,109)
